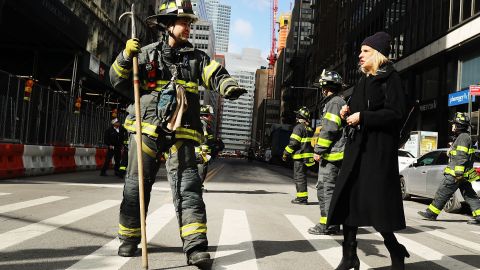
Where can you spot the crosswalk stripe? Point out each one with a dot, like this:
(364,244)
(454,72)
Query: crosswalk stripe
(108,186)
(25,204)
(455,239)
(430,254)
(235,232)
(3,194)
(332,255)
(106,258)
(19,235)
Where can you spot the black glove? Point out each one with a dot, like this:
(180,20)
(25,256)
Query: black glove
(234,92)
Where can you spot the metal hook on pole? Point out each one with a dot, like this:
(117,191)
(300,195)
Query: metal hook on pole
(138,139)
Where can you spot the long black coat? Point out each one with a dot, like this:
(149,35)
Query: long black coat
(367,192)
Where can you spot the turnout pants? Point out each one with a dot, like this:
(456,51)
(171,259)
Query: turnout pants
(300,178)
(202,170)
(116,153)
(186,190)
(327,176)
(448,188)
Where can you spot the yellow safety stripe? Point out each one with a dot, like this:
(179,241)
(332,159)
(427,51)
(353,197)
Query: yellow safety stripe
(122,168)
(303,155)
(471,151)
(476,213)
(222,91)
(434,209)
(130,232)
(333,156)
(302,194)
(333,118)
(170,5)
(462,148)
(189,134)
(452,153)
(191,87)
(449,171)
(147,150)
(323,220)
(289,149)
(208,71)
(175,147)
(121,72)
(193,228)
(460,168)
(473,179)
(323,142)
(310,163)
(296,137)
(147,128)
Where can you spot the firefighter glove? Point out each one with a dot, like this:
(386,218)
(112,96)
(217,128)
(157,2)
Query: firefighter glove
(234,92)
(132,47)
(284,157)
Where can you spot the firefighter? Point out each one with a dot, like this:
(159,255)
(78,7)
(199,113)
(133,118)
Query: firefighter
(113,138)
(204,150)
(328,150)
(170,72)
(459,173)
(124,156)
(300,150)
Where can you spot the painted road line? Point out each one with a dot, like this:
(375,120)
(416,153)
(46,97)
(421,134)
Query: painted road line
(332,255)
(108,186)
(106,258)
(235,232)
(3,194)
(25,204)
(25,233)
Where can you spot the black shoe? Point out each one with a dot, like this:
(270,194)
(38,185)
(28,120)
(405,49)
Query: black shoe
(474,221)
(349,259)
(297,200)
(333,229)
(428,215)
(318,229)
(127,249)
(201,259)
(103,174)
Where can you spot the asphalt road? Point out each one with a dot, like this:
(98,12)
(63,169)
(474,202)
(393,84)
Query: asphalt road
(69,221)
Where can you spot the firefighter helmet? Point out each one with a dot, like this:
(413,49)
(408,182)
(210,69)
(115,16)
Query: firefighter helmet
(206,110)
(303,113)
(330,79)
(461,119)
(170,10)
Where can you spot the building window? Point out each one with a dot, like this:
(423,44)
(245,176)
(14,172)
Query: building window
(476,5)
(470,72)
(466,9)
(454,12)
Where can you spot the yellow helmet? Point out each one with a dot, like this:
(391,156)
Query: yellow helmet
(171,10)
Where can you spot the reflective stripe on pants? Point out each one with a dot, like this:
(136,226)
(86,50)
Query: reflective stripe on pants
(448,187)
(300,176)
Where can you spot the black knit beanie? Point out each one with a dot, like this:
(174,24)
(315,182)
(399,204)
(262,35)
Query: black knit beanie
(380,41)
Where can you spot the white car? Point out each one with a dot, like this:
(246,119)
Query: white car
(423,177)
(404,159)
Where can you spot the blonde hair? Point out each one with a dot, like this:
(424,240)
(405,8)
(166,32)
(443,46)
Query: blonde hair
(377,59)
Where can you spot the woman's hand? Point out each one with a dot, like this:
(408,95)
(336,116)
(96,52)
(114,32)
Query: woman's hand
(353,119)
(316,157)
(344,112)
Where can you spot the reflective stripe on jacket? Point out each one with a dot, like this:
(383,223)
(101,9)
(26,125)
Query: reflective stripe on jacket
(460,162)
(300,147)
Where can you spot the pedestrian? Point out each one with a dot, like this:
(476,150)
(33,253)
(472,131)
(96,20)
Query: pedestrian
(300,150)
(170,72)
(204,150)
(459,173)
(113,137)
(367,192)
(328,150)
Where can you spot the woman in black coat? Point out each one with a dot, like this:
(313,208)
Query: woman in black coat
(367,192)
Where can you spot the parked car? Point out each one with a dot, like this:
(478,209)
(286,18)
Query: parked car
(423,177)
(404,159)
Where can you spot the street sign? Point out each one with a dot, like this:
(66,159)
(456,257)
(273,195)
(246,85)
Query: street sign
(460,97)
(475,90)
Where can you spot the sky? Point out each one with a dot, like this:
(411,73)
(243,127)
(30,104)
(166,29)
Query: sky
(251,22)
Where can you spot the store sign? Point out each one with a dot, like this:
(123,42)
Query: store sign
(475,90)
(427,106)
(458,98)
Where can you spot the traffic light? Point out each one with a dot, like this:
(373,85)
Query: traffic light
(28,90)
(114,113)
(78,104)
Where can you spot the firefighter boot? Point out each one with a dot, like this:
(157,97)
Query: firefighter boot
(474,221)
(398,253)
(318,229)
(127,248)
(349,259)
(201,259)
(427,214)
(298,200)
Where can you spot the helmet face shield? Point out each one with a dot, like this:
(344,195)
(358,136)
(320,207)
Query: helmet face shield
(170,10)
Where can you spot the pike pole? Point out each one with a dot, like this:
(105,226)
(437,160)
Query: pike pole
(138,139)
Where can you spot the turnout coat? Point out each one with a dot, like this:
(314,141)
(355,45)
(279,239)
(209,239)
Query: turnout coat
(367,192)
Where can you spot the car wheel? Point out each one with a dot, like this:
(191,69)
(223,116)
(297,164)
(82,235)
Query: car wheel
(453,205)
(403,188)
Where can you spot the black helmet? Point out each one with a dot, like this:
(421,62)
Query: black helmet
(303,113)
(462,119)
(206,110)
(170,10)
(330,79)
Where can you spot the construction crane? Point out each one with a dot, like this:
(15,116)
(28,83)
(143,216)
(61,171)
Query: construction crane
(273,50)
